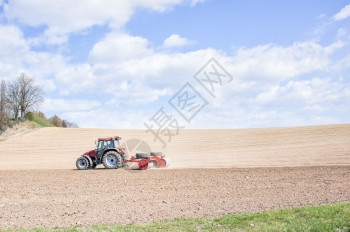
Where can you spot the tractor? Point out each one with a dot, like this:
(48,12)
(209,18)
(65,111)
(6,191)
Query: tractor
(109,153)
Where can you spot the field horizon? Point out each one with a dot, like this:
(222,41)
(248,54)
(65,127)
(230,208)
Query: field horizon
(58,148)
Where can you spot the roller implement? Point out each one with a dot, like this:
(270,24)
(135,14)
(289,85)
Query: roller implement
(109,153)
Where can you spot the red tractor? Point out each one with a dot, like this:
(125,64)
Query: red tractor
(109,153)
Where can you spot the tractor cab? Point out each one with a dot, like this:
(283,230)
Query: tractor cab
(107,143)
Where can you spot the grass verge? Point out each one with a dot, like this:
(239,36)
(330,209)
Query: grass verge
(38,121)
(335,217)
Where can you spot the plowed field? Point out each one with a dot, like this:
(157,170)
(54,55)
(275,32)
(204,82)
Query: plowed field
(213,172)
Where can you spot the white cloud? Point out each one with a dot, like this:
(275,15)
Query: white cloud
(64,17)
(317,91)
(146,75)
(77,78)
(116,47)
(280,63)
(195,2)
(130,70)
(295,103)
(342,64)
(59,14)
(343,13)
(98,118)
(341,32)
(51,36)
(63,105)
(16,56)
(279,86)
(12,40)
(176,41)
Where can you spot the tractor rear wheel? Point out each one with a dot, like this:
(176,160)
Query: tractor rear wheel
(82,163)
(112,160)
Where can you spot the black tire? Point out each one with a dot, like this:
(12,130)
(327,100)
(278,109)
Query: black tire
(93,166)
(112,160)
(82,163)
(142,156)
(156,153)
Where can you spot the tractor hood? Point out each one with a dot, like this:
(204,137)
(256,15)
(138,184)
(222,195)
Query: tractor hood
(91,153)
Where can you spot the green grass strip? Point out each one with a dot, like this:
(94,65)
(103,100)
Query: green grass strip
(335,217)
(38,121)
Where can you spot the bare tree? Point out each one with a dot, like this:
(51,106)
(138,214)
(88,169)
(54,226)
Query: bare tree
(56,121)
(68,124)
(41,115)
(30,93)
(13,94)
(64,123)
(3,103)
(23,95)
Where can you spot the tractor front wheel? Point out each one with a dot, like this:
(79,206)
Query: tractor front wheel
(112,160)
(93,166)
(82,163)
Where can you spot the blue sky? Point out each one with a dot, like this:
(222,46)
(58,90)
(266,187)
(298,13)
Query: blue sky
(114,64)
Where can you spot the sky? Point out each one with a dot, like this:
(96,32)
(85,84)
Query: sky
(182,63)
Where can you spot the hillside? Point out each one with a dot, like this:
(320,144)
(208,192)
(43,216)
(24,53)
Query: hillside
(58,148)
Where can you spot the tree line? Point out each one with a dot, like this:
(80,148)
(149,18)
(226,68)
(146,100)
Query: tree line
(56,120)
(20,96)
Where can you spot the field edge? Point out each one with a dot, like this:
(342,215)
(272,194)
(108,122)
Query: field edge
(327,217)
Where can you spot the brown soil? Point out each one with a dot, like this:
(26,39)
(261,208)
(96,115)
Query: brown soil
(64,198)
(261,169)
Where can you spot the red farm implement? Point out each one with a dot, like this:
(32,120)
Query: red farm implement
(109,153)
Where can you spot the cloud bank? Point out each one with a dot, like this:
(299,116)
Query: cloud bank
(124,76)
